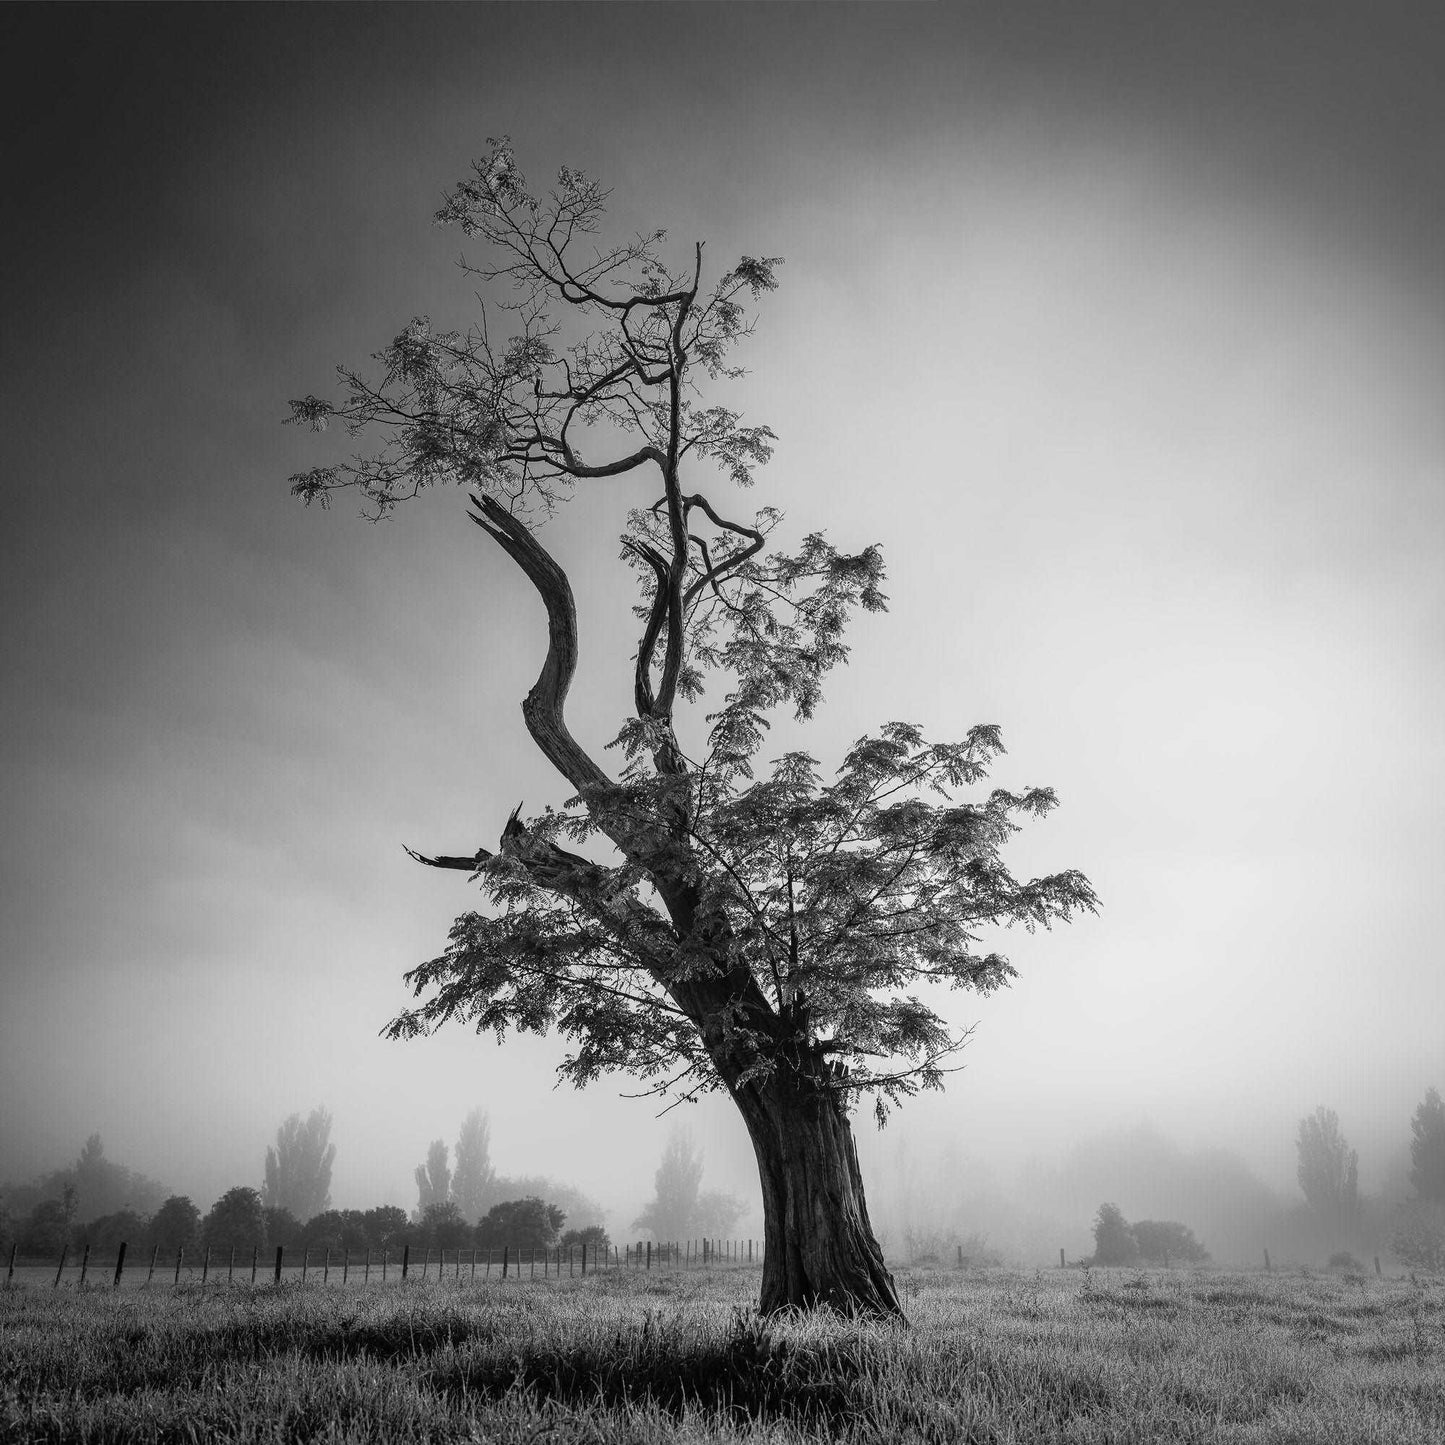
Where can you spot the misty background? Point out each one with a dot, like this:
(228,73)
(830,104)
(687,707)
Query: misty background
(1119,327)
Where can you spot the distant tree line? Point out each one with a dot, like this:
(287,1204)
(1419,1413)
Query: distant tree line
(101,1204)
(1335,1217)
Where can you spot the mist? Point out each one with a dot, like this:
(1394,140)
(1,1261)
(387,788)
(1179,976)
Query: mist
(1125,340)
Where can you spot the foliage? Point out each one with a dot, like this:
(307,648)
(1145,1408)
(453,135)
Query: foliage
(522,1223)
(281,1227)
(1328,1170)
(108,1232)
(1161,1240)
(1419,1238)
(47,1229)
(592,1239)
(1114,1241)
(433,1179)
(336,1229)
(175,1224)
(298,1168)
(442,1227)
(99,1185)
(473,1179)
(578,1206)
(387,1226)
(1427,1148)
(237,1220)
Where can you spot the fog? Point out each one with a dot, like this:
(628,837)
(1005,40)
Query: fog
(1127,342)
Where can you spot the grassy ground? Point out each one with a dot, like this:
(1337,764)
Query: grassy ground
(995,1356)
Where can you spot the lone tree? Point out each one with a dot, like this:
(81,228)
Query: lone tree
(298,1168)
(746,928)
(474,1178)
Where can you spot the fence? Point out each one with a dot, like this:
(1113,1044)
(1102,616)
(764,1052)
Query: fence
(344,1266)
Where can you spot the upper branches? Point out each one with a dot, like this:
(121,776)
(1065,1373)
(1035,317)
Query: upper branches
(597,337)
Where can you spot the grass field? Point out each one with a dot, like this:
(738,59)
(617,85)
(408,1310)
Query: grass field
(986,1356)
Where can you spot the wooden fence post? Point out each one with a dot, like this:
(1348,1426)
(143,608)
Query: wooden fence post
(151,1271)
(383,1266)
(1377,1267)
(345,1264)
(506,1260)
(255,1255)
(425,1261)
(180,1250)
(649,1254)
(305,1260)
(119,1265)
(405,1259)
(474,1264)
(326,1266)
(205,1264)
(64,1246)
(84,1264)
(366,1278)
(231,1265)
(10,1272)
(1266,1261)
(1061,1259)
(278,1262)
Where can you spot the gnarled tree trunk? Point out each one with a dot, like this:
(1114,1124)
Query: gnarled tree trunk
(818,1243)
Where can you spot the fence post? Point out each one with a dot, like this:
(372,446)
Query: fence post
(84,1263)
(405,1259)
(305,1260)
(474,1264)
(10,1272)
(205,1264)
(180,1250)
(326,1266)
(255,1255)
(366,1278)
(383,1266)
(119,1265)
(532,1272)
(151,1271)
(649,1254)
(345,1265)
(231,1265)
(1266,1261)
(64,1246)
(1061,1259)
(1377,1266)
(425,1261)
(278,1262)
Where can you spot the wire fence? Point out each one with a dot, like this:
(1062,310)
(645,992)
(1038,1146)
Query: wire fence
(205,1265)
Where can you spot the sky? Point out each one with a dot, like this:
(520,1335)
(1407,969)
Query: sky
(1120,327)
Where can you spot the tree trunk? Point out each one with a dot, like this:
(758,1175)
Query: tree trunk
(819,1244)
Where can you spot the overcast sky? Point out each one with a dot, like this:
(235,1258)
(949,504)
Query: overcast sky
(1121,327)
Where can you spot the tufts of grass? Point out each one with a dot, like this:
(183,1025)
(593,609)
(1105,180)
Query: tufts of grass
(986,1356)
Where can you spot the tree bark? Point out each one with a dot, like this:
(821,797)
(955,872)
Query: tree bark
(819,1247)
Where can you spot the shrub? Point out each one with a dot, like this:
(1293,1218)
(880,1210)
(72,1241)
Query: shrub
(1166,1240)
